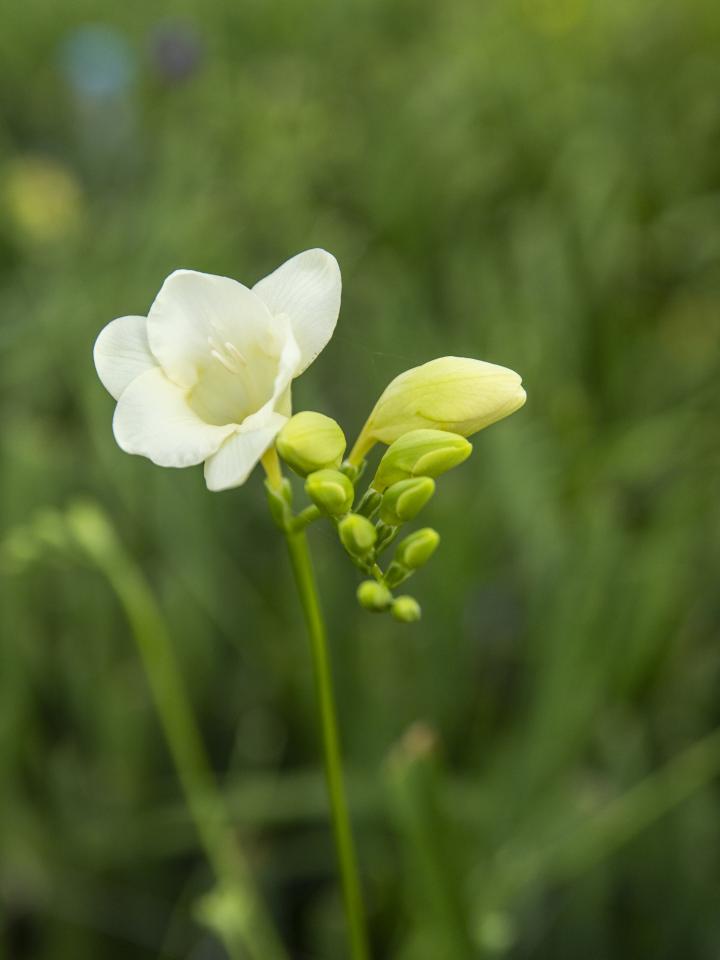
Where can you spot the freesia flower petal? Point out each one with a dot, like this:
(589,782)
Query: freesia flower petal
(198,320)
(231,465)
(307,289)
(153,419)
(122,353)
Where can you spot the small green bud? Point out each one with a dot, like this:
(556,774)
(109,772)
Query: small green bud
(406,609)
(421,453)
(374,596)
(357,535)
(311,441)
(331,491)
(405,499)
(416,550)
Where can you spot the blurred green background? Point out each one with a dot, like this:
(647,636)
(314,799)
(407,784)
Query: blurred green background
(534,767)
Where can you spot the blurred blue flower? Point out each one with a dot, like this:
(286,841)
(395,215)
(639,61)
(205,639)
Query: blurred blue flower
(97,61)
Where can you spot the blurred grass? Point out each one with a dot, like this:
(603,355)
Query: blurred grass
(533,183)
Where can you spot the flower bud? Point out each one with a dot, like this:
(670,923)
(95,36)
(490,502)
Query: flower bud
(416,550)
(357,535)
(458,394)
(311,441)
(421,453)
(405,499)
(374,596)
(331,491)
(406,609)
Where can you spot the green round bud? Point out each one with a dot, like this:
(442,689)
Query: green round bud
(421,453)
(374,596)
(331,491)
(406,609)
(405,499)
(357,534)
(416,550)
(311,441)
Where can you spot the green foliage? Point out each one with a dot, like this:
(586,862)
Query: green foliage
(530,182)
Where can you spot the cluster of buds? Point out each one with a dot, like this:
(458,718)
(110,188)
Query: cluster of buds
(425,416)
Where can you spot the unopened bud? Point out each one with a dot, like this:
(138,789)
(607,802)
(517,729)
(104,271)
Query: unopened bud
(405,499)
(331,491)
(357,535)
(459,394)
(421,453)
(416,550)
(406,609)
(311,441)
(374,596)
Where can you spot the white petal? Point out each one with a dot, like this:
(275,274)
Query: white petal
(122,352)
(231,465)
(307,288)
(153,419)
(289,366)
(195,314)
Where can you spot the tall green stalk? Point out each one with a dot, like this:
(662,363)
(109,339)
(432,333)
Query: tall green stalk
(347,860)
(244,927)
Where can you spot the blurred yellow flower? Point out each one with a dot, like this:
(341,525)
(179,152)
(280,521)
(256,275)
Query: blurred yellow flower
(43,198)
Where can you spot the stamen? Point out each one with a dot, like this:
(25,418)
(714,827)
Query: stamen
(224,361)
(227,354)
(231,348)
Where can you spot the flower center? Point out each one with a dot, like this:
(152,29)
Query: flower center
(227,354)
(234,383)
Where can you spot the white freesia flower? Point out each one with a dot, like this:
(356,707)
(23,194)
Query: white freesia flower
(206,375)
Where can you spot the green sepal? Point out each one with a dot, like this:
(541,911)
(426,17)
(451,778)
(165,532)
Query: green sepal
(280,503)
(369,504)
(396,574)
(385,535)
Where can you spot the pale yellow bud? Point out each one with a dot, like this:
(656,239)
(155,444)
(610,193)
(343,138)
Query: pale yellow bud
(331,491)
(457,394)
(311,441)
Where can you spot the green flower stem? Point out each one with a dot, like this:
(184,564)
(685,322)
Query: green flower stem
(305,580)
(306,517)
(247,930)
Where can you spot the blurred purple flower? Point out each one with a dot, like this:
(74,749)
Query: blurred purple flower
(176,50)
